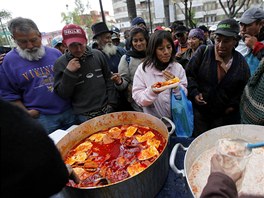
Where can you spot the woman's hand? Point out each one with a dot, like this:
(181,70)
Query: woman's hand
(167,75)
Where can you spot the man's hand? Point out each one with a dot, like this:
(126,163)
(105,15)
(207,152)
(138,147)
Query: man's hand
(2,58)
(229,110)
(250,41)
(33,113)
(232,171)
(199,99)
(117,78)
(74,65)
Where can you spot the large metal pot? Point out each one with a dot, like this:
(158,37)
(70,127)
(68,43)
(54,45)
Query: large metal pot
(147,183)
(207,140)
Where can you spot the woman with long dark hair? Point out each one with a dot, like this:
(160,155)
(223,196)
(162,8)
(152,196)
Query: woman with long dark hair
(129,63)
(159,65)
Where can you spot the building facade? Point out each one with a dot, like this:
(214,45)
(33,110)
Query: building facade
(158,12)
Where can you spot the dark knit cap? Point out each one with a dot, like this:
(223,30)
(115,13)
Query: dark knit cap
(204,28)
(137,21)
(181,29)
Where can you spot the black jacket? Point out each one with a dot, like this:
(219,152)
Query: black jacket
(202,77)
(90,88)
(31,165)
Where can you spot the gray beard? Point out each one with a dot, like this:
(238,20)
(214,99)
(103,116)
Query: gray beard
(33,54)
(109,49)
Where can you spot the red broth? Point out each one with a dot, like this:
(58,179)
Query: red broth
(111,155)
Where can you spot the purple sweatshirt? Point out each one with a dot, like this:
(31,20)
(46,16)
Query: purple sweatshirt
(32,82)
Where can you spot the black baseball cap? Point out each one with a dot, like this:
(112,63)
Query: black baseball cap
(228,27)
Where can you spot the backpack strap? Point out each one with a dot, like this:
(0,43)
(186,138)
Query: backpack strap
(206,48)
(128,59)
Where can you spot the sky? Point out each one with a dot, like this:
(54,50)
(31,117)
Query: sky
(47,13)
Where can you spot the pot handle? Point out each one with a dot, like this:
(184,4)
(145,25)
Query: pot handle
(171,123)
(172,159)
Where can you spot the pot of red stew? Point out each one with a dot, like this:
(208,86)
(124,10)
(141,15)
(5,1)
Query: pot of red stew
(123,154)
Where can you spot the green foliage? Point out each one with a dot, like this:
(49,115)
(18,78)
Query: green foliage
(4,14)
(192,21)
(78,16)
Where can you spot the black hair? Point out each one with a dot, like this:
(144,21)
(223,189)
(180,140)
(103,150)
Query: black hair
(135,30)
(155,40)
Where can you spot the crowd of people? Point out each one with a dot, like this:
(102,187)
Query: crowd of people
(72,82)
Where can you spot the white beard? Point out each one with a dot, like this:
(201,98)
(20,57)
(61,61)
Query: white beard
(109,49)
(33,54)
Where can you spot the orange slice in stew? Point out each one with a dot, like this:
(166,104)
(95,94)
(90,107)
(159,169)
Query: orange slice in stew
(145,137)
(77,157)
(135,168)
(131,131)
(115,132)
(148,153)
(85,146)
(98,137)
(153,142)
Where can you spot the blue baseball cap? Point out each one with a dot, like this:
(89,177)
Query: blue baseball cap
(56,40)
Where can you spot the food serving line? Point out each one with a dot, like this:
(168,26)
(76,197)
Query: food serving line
(175,184)
(159,180)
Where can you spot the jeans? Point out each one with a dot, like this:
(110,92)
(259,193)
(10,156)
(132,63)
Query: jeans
(58,121)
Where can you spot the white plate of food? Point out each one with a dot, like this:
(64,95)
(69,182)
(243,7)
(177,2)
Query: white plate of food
(169,84)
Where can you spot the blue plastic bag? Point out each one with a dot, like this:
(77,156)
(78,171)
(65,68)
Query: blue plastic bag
(182,114)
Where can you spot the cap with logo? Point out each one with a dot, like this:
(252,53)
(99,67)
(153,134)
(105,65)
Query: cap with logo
(73,34)
(228,27)
(251,15)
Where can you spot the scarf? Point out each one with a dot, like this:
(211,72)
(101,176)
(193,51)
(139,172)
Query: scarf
(136,54)
(161,66)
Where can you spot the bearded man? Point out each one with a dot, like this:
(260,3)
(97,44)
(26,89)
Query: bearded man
(112,53)
(27,77)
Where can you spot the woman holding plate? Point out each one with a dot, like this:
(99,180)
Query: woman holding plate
(158,66)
